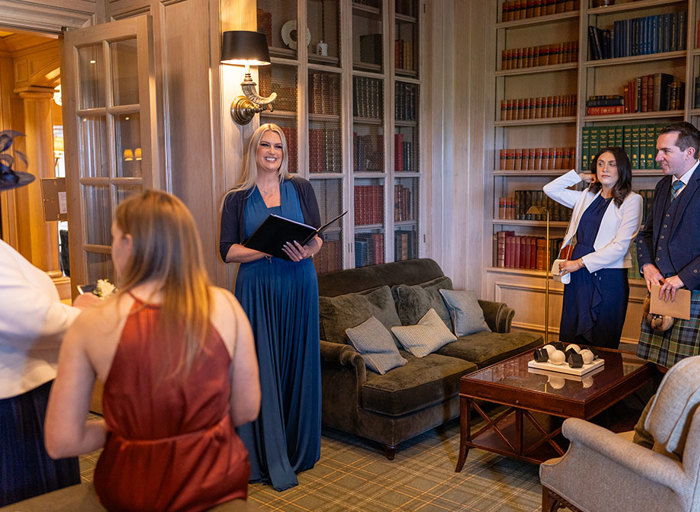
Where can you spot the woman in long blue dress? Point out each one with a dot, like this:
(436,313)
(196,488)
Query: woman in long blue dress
(605,219)
(280,298)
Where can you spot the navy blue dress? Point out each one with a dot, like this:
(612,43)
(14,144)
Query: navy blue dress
(595,304)
(280,298)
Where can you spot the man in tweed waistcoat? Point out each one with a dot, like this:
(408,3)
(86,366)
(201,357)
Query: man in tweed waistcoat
(668,247)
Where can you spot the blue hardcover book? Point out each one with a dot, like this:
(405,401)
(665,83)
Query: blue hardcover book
(674,33)
(682,30)
(654,36)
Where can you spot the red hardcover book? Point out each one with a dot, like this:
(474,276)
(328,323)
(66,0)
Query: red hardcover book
(398,152)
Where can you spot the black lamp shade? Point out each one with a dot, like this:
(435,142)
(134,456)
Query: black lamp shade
(241,47)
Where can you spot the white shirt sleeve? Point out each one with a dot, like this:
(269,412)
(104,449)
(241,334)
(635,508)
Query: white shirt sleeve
(30,307)
(616,249)
(559,190)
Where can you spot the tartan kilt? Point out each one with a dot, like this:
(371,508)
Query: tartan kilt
(680,341)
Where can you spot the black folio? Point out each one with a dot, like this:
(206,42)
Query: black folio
(275,231)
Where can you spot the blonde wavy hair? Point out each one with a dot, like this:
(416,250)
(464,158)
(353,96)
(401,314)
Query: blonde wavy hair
(166,248)
(250,167)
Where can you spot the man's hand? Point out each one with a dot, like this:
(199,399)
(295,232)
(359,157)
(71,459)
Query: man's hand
(652,275)
(667,292)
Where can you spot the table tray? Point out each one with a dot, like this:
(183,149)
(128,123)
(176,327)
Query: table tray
(565,368)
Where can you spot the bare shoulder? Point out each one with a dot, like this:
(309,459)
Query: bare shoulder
(225,315)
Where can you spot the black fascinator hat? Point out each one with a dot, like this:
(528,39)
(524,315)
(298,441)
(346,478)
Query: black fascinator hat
(9,178)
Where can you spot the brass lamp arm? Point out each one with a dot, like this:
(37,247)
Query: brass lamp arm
(248,86)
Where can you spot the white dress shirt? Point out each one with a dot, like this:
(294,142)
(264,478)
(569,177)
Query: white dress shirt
(32,323)
(618,227)
(686,177)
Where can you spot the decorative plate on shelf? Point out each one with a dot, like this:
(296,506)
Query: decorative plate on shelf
(290,36)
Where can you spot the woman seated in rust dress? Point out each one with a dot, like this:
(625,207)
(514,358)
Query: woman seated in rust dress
(179,369)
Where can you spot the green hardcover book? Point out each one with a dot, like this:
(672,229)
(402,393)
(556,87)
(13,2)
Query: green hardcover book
(586,148)
(651,145)
(604,134)
(634,142)
(619,132)
(627,141)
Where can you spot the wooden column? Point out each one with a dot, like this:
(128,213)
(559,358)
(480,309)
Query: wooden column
(239,15)
(38,239)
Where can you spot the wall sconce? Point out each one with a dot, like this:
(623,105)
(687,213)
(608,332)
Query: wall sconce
(57,95)
(128,155)
(246,48)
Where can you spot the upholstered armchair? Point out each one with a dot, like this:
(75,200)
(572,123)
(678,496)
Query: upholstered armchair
(606,471)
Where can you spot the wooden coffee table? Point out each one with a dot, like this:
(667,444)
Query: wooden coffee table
(524,430)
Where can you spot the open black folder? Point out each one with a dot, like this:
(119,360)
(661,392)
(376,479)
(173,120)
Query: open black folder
(275,231)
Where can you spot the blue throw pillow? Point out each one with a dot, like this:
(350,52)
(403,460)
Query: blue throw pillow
(376,345)
(467,316)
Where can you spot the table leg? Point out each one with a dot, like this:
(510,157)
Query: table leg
(464,431)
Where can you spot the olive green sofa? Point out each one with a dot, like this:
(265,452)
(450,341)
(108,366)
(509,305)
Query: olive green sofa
(422,394)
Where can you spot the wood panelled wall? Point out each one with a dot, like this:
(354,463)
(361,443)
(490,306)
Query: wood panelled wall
(202,148)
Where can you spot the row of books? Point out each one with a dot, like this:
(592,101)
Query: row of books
(404,155)
(542,55)
(536,159)
(330,257)
(521,9)
(403,204)
(367,97)
(286,92)
(403,54)
(368,153)
(515,207)
(696,93)
(369,249)
(405,101)
(369,204)
(324,94)
(290,133)
(640,36)
(325,150)
(536,108)
(526,252)
(654,93)
(647,202)
(404,248)
(638,141)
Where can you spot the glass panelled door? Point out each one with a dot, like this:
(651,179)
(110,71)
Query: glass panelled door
(111,139)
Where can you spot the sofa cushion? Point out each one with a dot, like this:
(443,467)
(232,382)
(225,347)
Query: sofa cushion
(414,301)
(420,383)
(485,348)
(465,312)
(424,338)
(376,346)
(350,310)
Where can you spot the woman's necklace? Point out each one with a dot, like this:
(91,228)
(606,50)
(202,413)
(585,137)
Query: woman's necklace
(270,191)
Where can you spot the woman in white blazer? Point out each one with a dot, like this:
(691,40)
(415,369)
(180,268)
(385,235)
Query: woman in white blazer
(605,219)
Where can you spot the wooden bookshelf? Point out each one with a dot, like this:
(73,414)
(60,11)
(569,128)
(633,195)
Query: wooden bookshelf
(585,77)
(343,133)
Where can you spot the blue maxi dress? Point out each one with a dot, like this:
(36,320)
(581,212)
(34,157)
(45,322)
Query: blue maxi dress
(280,298)
(595,304)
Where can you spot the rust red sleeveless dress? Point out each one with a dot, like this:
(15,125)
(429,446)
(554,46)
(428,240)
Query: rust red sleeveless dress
(171,444)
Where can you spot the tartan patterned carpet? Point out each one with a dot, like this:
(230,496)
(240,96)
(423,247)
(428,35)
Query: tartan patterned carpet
(354,475)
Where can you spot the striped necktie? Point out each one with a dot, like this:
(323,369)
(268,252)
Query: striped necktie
(676,188)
